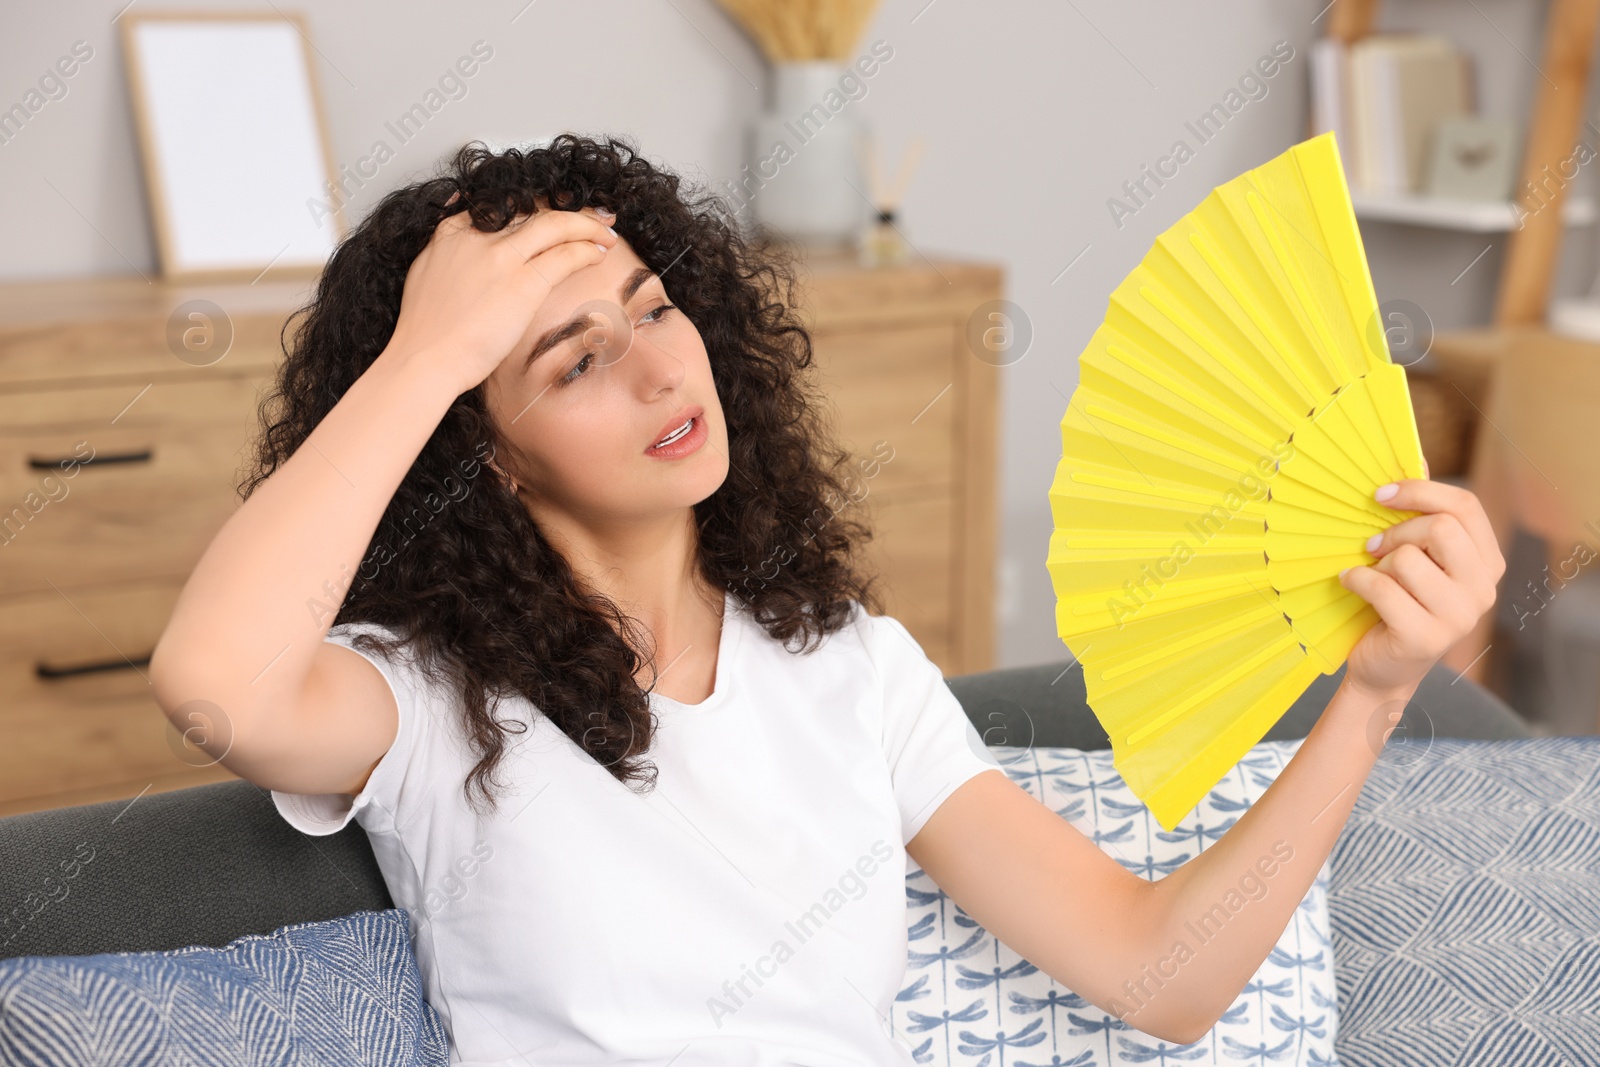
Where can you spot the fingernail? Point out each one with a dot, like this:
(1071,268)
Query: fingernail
(1374,541)
(605,211)
(1386,491)
(601,247)
(1343,573)
(611,231)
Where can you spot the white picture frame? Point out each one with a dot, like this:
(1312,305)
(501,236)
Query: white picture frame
(238,170)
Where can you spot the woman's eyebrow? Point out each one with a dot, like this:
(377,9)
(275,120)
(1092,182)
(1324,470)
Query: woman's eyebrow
(573,327)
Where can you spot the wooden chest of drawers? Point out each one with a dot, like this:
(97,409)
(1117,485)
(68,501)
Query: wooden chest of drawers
(121,444)
(121,441)
(893,348)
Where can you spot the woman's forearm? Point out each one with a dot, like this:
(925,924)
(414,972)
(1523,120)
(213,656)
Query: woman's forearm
(1224,910)
(297,540)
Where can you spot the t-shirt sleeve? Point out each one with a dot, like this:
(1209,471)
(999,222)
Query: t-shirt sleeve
(930,744)
(320,814)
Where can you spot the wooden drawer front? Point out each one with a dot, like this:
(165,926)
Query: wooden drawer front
(133,348)
(894,386)
(913,552)
(83,740)
(82,730)
(151,513)
(85,751)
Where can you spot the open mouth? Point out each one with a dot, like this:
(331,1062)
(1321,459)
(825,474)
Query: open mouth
(675,434)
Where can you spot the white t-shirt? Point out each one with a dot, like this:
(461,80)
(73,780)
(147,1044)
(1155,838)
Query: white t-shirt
(750,910)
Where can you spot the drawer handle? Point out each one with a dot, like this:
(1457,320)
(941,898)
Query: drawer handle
(44,670)
(144,456)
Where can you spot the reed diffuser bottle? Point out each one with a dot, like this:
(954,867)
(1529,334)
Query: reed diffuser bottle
(880,242)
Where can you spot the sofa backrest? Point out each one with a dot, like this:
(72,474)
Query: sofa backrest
(198,866)
(205,865)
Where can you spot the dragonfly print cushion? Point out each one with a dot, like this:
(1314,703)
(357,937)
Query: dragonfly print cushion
(970,1001)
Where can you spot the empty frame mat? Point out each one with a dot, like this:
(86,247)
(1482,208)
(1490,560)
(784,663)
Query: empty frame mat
(235,154)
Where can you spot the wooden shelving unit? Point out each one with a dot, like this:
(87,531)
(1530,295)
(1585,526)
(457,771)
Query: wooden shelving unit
(1557,113)
(1471,368)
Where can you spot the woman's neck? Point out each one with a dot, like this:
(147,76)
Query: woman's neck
(652,573)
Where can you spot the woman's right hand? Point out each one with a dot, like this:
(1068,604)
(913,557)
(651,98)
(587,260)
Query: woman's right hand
(470,296)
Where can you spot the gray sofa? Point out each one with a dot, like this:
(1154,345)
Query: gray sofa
(203,866)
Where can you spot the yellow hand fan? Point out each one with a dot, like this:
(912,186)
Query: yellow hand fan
(1234,413)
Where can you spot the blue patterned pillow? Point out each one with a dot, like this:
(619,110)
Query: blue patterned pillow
(971,1001)
(345,991)
(1466,906)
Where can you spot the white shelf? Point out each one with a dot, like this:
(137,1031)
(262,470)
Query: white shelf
(1471,216)
(1578,317)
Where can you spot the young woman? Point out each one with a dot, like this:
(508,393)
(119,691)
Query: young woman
(546,576)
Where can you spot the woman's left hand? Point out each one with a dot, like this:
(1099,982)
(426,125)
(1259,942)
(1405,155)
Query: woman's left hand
(1435,576)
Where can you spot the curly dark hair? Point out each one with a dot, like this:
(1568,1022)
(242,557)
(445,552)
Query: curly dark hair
(460,570)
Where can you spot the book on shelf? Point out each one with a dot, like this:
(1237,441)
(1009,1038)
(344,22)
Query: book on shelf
(1383,97)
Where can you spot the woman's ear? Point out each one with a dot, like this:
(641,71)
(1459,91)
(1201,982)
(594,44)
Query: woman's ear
(511,482)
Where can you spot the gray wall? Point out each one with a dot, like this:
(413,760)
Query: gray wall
(1035,114)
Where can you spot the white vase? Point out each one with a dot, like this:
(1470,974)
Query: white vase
(803,178)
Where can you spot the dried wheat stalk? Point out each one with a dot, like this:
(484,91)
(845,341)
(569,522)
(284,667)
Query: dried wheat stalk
(791,30)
